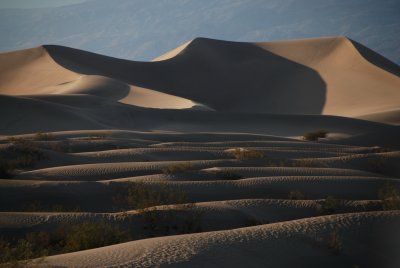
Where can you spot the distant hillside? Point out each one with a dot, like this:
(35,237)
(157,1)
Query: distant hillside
(142,30)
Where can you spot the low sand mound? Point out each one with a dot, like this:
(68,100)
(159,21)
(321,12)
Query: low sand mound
(307,239)
(217,215)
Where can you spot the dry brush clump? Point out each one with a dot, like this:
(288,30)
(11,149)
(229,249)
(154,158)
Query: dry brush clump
(297,195)
(328,206)
(389,194)
(19,252)
(182,219)
(243,154)
(315,135)
(228,175)
(378,164)
(43,136)
(177,168)
(306,162)
(140,196)
(21,153)
(334,242)
(100,135)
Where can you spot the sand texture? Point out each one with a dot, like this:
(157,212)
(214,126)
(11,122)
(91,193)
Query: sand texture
(199,157)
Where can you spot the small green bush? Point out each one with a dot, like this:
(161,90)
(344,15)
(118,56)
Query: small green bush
(314,136)
(176,168)
(242,154)
(390,197)
(296,195)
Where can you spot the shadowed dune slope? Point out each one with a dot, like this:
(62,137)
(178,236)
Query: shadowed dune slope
(313,76)
(325,75)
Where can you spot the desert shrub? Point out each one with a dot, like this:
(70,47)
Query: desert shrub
(228,175)
(329,205)
(296,195)
(38,206)
(27,153)
(59,146)
(139,196)
(91,235)
(43,136)
(278,163)
(21,252)
(67,238)
(6,169)
(334,242)
(241,154)
(314,136)
(306,163)
(100,135)
(176,168)
(168,222)
(377,164)
(390,197)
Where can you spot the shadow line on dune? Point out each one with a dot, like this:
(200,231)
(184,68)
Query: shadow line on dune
(227,76)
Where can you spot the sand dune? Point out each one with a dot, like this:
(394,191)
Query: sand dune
(268,244)
(332,76)
(205,139)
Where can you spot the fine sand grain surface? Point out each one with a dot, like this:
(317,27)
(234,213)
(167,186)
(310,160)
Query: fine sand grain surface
(196,159)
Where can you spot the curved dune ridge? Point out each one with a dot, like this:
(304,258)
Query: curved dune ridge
(334,76)
(257,208)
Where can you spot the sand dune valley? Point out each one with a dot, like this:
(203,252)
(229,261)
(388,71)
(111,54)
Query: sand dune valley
(216,154)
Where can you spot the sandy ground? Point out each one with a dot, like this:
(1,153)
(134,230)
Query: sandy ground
(100,125)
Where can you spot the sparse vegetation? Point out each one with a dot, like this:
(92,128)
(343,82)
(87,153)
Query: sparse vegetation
(377,164)
(38,206)
(100,135)
(228,175)
(43,136)
(25,153)
(167,222)
(296,195)
(22,153)
(6,169)
(306,163)
(314,136)
(389,194)
(278,163)
(66,238)
(140,196)
(242,154)
(176,168)
(328,206)
(91,235)
(334,242)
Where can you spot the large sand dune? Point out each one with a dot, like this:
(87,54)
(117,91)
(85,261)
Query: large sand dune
(198,156)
